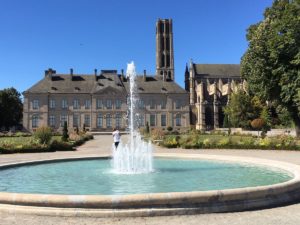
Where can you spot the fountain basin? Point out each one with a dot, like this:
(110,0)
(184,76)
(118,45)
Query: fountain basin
(238,199)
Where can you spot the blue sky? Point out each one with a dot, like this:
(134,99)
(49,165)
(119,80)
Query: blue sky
(107,34)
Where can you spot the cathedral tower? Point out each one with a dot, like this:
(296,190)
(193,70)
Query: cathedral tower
(164,49)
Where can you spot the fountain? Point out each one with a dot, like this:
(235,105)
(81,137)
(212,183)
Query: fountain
(135,157)
(180,183)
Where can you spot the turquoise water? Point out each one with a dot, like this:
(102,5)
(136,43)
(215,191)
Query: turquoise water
(90,177)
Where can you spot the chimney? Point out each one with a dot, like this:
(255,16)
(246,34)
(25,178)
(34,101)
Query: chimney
(49,73)
(95,74)
(122,75)
(145,76)
(71,73)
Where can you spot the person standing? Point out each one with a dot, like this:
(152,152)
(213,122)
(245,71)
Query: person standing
(117,136)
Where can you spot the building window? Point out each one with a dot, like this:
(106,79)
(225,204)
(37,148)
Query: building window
(152,120)
(108,121)
(35,121)
(75,104)
(63,119)
(99,120)
(87,104)
(141,120)
(163,120)
(75,120)
(35,104)
(152,104)
(64,103)
(118,104)
(118,120)
(178,120)
(52,104)
(87,120)
(163,104)
(177,104)
(52,121)
(99,104)
(108,104)
(141,104)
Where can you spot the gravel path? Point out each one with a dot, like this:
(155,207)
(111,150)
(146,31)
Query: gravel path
(101,145)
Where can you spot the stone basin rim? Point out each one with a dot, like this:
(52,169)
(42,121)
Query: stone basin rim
(238,199)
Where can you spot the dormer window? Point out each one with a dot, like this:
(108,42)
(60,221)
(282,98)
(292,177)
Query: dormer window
(77,89)
(53,88)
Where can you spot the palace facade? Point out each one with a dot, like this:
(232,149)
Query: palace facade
(98,101)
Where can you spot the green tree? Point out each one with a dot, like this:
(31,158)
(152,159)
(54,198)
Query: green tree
(65,134)
(226,123)
(11,108)
(265,116)
(239,110)
(284,117)
(271,63)
(147,128)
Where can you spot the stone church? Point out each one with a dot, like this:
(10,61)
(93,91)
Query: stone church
(98,101)
(209,87)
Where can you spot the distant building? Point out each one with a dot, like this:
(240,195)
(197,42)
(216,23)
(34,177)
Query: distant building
(209,87)
(99,101)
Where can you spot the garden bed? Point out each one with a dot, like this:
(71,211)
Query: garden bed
(212,141)
(28,144)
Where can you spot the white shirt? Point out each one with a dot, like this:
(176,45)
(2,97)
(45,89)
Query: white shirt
(116,135)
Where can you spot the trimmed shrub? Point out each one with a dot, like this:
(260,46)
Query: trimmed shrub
(61,146)
(170,141)
(147,128)
(65,135)
(43,135)
(169,129)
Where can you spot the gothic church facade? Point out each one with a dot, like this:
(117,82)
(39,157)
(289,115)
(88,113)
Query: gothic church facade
(210,87)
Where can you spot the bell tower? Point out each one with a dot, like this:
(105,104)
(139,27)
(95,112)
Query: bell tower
(164,49)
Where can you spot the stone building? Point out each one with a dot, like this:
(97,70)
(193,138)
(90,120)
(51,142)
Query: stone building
(98,101)
(209,87)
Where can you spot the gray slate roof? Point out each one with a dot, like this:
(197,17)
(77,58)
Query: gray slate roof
(155,85)
(221,70)
(62,83)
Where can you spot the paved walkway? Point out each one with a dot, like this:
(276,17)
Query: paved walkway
(101,145)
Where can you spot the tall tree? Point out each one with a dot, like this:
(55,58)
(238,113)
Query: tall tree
(240,110)
(271,64)
(11,107)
